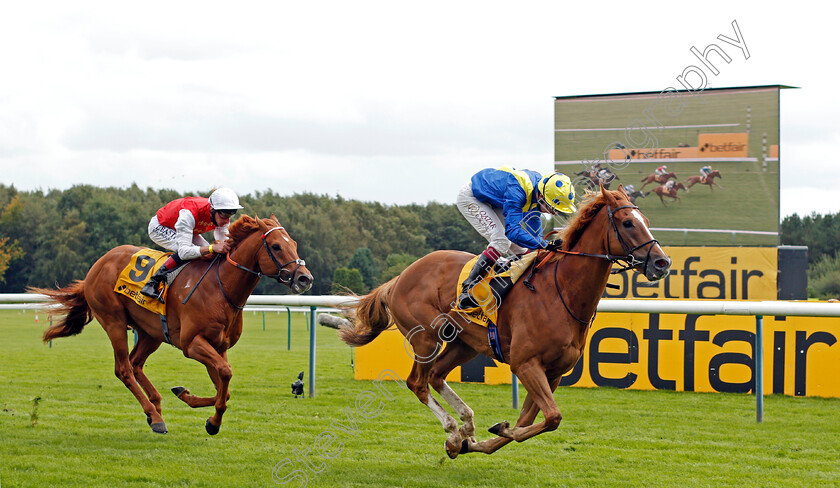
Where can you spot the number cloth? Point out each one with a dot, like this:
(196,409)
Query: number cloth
(140,268)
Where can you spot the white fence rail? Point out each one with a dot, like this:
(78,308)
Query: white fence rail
(758,309)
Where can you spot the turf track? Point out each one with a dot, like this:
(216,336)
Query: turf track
(91,432)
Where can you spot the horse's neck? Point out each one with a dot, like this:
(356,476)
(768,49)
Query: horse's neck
(586,277)
(239,284)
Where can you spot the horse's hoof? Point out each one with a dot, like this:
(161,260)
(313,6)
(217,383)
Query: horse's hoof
(451,454)
(159,428)
(211,429)
(465,446)
(177,390)
(149,419)
(498,427)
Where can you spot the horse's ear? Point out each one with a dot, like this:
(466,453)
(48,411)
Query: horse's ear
(274,218)
(262,225)
(622,189)
(608,195)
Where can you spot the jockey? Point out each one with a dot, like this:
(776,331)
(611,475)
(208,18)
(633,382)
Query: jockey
(504,206)
(661,170)
(670,185)
(178,227)
(704,171)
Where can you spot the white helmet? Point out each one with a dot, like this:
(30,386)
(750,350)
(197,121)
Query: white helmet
(224,199)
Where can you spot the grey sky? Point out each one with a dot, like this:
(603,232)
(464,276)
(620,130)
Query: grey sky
(383,101)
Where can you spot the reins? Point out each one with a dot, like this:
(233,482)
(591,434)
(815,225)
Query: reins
(628,261)
(279,275)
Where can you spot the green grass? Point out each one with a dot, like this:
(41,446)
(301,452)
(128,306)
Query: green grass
(91,432)
(749,199)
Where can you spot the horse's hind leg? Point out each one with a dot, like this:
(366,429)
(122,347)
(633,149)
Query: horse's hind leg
(455,354)
(145,346)
(115,327)
(418,382)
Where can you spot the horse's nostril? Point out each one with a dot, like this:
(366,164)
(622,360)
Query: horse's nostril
(662,263)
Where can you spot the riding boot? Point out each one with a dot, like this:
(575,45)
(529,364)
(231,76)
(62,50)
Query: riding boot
(150,289)
(480,268)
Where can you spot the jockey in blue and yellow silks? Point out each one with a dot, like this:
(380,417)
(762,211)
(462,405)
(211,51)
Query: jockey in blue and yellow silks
(504,206)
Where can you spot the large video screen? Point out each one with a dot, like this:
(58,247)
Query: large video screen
(703,166)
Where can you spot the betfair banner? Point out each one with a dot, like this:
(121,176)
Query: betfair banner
(712,273)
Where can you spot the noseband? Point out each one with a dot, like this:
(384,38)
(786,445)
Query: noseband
(629,261)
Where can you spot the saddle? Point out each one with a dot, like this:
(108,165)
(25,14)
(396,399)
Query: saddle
(492,289)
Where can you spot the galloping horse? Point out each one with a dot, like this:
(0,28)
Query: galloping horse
(710,180)
(541,332)
(661,179)
(672,193)
(204,328)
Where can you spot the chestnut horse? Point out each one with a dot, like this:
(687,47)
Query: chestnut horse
(661,179)
(672,193)
(204,328)
(541,332)
(710,180)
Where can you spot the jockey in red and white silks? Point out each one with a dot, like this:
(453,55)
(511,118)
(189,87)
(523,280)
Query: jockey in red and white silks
(178,226)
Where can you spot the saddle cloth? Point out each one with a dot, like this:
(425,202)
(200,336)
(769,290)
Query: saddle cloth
(140,268)
(492,288)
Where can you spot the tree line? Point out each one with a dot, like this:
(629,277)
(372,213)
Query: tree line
(821,233)
(52,238)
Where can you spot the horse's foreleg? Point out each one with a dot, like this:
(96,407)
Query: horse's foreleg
(194,401)
(503,429)
(534,380)
(145,346)
(201,350)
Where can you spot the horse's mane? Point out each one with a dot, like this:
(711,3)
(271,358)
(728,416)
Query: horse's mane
(244,227)
(593,202)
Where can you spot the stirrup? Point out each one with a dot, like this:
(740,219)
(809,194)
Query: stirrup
(154,293)
(465,299)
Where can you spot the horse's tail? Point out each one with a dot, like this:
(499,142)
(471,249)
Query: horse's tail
(370,318)
(70,302)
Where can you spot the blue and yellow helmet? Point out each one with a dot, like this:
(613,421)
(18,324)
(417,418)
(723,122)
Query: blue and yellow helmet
(558,192)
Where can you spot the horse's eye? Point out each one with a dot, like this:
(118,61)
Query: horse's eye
(276,247)
(627,223)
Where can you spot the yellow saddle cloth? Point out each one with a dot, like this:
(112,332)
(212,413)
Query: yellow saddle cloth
(140,268)
(488,309)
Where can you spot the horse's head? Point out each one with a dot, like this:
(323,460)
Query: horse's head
(629,236)
(281,252)
(715,172)
(275,252)
(679,186)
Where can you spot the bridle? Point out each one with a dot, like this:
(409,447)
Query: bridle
(282,275)
(627,261)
